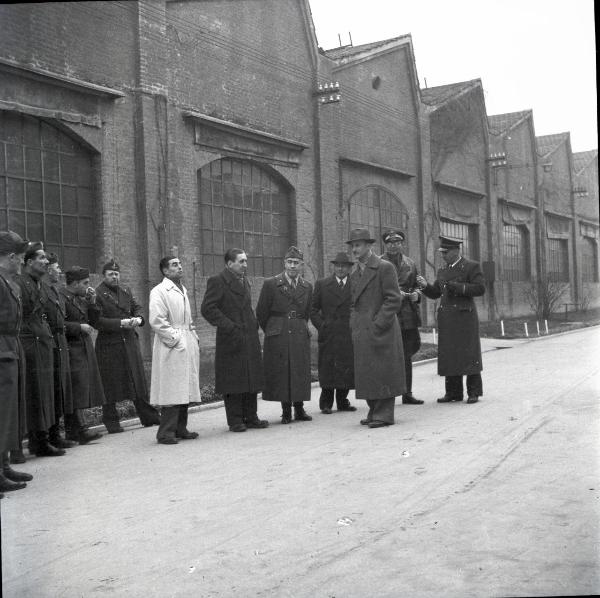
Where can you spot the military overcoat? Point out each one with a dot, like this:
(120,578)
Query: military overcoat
(406,269)
(85,376)
(283,315)
(376,336)
(459,347)
(227,304)
(118,349)
(330,315)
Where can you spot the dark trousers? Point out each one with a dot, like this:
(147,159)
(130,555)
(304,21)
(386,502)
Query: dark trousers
(454,386)
(147,413)
(326,398)
(240,408)
(173,421)
(382,410)
(411,343)
(75,424)
(286,408)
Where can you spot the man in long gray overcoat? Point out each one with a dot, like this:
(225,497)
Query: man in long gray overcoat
(459,347)
(227,304)
(378,354)
(283,311)
(330,315)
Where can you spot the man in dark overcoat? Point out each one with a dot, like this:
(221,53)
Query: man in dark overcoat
(12,361)
(378,354)
(283,311)
(38,345)
(408,316)
(227,304)
(459,347)
(82,314)
(55,316)
(118,350)
(330,315)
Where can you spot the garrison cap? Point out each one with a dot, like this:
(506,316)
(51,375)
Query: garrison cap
(447,243)
(10,242)
(393,235)
(294,253)
(76,273)
(111,265)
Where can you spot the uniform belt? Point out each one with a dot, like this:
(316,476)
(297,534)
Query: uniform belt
(293,314)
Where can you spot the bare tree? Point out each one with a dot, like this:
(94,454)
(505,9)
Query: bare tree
(544,296)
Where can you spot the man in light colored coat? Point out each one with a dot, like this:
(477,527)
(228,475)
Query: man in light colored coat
(378,353)
(175,354)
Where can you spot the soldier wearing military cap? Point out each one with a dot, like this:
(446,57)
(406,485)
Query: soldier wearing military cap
(408,316)
(330,315)
(12,364)
(459,347)
(118,350)
(81,315)
(38,344)
(283,311)
(376,335)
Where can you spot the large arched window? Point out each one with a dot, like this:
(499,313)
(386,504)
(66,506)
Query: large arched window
(46,188)
(242,205)
(377,209)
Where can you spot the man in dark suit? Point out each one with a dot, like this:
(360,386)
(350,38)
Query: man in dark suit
(459,347)
(330,315)
(283,311)
(118,350)
(227,304)
(408,316)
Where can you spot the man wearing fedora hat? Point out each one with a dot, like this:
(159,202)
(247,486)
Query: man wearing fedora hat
(283,311)
(330,315)
(459,347)
(408,316)
(376,335)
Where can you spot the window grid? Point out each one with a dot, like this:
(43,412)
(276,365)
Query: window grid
(589,260)
(241,205)
(515,253)
(467,233)
(558,260)
(45,188)
(377,209)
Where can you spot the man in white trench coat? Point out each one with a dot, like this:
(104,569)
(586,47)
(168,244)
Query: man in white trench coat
(175,354)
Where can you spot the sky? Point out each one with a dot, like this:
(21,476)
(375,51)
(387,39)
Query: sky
(529,54)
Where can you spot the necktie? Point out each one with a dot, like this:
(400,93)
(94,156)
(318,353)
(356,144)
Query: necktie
(341,283)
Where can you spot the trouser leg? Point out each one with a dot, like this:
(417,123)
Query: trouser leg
(383,410)
(454,387)
(169,416)
(234,410)
(110,416)
(286,410)
(341,398)
(147,413)
(249,407)
(182,420)
(474,385)
(326,398)
(371,405)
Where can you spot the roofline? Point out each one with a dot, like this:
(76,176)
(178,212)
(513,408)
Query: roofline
(387,46)
(472,84)
(567,137)
(594,157)
(528,115)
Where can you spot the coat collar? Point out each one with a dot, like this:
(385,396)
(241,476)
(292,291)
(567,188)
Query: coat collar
(234,282)
(285,288)
(360,282)
(73,299)
(169,285)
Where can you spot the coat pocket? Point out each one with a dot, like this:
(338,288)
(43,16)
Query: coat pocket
(274,326)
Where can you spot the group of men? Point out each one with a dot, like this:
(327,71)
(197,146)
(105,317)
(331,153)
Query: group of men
(366,313)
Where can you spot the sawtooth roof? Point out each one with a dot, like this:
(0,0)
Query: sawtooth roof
(546,144)
(434,96)
(582,159)
(349,51)
(500,123)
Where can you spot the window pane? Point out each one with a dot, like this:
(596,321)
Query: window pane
(15,194)
(68,169)
(69,200)
(33,163)
(2,153)
(52,197)
(31,132)
(33,192)
(16,222)
(3,220)
(53,229)
(2,192)
(14,159)
(86,232)
(35,226)
(70,235)
(49,137)
(85,202)
(50,162)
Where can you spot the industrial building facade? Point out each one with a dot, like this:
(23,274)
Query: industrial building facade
(129,130)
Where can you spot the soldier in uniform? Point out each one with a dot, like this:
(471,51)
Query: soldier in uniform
(283,311)
(227,304)
(408,316)
(118,350)
(55,315)
(38,344)
(82,314)
(459,347)
(330,315)
(12,399)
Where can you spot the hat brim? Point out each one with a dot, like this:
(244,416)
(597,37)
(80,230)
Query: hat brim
(363,239)
(349,263)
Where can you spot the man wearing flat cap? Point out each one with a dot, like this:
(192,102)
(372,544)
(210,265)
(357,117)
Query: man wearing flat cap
(459,347)
(378,353)
(283,311)
(81,314)
(38,344)
(330,315)
(12,364)
(118,350)
(409,315)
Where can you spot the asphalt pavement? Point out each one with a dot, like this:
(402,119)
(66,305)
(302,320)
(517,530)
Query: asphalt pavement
(500,498)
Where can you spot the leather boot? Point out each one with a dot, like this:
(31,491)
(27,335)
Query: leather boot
(299,413)
(7,485)
(286,413)
(57,440)
(11,474)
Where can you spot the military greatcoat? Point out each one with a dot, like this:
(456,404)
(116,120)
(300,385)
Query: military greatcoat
(283,315)
(227,304)
(459,347)
(85,376)
(38,346)
(330,315)
(12,361)
(118,349)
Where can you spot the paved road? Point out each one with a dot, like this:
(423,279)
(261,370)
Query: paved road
(495,499)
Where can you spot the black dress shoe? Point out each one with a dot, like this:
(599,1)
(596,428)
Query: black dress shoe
(167,441)
(7,485)
(114,429)
(327,411)
(16,476)
(365,422)
(447,399)
(347,408)
(473,399)
(86,436)
(257,424)
(151,423)
(45,449)
(187,435)
(378,424)
(62,443)
(286,419)
(17,457)
(301,416)
(410,400)
(238,428)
